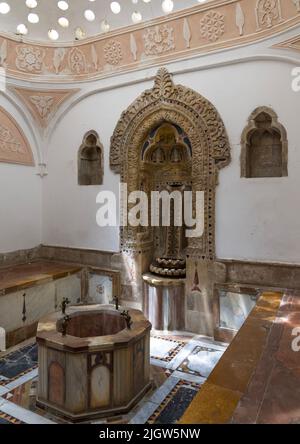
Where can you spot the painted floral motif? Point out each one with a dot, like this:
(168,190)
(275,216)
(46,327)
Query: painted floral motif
(159,40)
(29,58)
(212,26)
(43,104)
(113,52)
(77,62)
(8,143)
(267,12)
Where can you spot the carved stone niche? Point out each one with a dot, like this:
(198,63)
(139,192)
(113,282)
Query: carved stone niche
(264,146)
(170,138)
(90,160)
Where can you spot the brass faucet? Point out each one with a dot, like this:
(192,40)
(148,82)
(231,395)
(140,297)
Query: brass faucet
(127,318)
(65,323)
(64,304)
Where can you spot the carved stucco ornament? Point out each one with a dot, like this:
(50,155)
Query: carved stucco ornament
(14,146)
(43,104)
(240,18)
(77,61)
(268,13)
(212,25)
(159,40)
(30,59)
(113,52)
(198,118)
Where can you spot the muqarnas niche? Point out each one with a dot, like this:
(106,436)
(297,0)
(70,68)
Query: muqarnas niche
(90,160)
(264,146)
(166,166)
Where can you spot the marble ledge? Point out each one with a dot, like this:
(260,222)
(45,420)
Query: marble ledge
(220,395)
(47,333)
(20,277)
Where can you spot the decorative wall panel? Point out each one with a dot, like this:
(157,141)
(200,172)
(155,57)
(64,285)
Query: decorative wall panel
(43,104)
(207,27)
(14,146)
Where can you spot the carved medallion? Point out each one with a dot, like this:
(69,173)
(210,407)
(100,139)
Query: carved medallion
(29,58)
(159,40)
(43,104)
(113,52)
(212,26)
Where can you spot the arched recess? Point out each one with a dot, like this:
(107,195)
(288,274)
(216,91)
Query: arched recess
(264,146)
(14,146)
(90,160)
(199,119)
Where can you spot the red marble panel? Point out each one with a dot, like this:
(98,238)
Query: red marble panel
(56,384)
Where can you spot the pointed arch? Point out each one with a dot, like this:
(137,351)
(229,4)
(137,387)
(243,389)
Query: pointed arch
(199,119)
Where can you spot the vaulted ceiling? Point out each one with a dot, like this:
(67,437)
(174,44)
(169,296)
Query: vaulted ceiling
(48,12)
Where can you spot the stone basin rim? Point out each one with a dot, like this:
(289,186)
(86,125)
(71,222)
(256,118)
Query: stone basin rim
(47,330)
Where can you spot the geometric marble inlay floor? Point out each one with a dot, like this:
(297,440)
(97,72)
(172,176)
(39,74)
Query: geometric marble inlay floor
(179,365)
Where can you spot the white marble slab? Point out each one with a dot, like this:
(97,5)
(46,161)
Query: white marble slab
(163,391)
(25,378)
(158,363)
(188,377)
(160,348)
(3,390)
(210,343)
(22,414)
(182,355)
(203,362)
(144,413)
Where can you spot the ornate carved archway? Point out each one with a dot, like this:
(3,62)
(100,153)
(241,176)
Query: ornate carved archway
(199,119)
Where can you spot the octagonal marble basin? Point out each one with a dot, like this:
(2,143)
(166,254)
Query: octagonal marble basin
(98,368)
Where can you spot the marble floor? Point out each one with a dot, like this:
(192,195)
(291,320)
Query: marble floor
(180,364)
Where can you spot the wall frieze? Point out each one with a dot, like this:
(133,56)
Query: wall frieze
(220,24)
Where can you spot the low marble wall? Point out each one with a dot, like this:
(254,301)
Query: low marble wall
(275,275)
(19,257)
(21,310)
(94,258)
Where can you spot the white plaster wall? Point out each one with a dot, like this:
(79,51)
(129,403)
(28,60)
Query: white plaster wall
(20,197)
(69,210)
(256,219)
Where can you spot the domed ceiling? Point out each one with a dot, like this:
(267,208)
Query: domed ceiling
(65,21)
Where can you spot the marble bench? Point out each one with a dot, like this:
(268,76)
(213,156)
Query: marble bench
(31,291)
